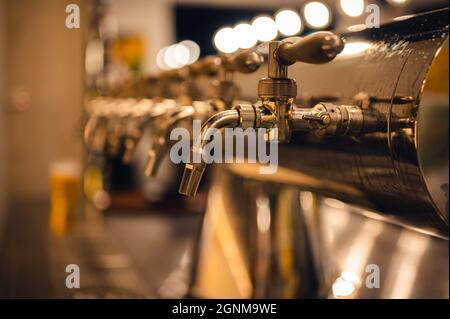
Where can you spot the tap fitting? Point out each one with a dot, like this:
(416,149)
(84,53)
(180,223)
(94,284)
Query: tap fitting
(327,119)
(277,93)
(224,92)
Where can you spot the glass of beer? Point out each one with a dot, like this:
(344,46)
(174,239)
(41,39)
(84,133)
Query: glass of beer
(65,184)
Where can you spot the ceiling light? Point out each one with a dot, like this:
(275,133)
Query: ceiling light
(317,15)
(288,22)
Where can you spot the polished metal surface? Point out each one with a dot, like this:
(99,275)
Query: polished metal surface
(385,154)
(277,93)
(432,138)
(271,240)
(338,207)
(389,67)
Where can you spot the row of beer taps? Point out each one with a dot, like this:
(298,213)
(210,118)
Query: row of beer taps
(174,97)
(113,121)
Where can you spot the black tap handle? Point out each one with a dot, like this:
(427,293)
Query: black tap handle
(243,61)
(317,48)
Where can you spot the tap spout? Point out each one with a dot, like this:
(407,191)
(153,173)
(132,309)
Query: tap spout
(193,171)
(161,140)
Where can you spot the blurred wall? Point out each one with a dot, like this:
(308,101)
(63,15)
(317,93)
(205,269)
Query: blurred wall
(3,147)
(152,20)
(45,86)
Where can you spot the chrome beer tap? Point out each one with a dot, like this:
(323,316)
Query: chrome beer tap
(276,109)
(185,108)
(147,109)
(94,134)
(119,119)
(224,93)
(140,115)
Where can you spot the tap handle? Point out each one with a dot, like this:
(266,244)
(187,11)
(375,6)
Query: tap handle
(206,66)
(244,61)
(317,48)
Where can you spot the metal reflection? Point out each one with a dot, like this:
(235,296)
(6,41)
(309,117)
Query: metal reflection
(387,171)
(321,245)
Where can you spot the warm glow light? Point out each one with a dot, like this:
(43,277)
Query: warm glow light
(181,54)
(351,276)
(263,214)
(354,48)
(225,40)
(160,59)
(245,35)
(399,3)
(357,27)
(342,288)
(346,284)
(264,28)
(94,57)
(352,8)
(174,56)
(317,15)
(193,48)
(288,22)
(178,55)
(334,203)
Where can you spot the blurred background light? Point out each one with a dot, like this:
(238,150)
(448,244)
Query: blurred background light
(94,59)
(357,27)
(160,59)
(288,22)
(264,28)
(170,58)
(354,48)
(352,8)
(245,35)
(225,40)
(181,54)
(399,3)
(342,288)
(193,48)
(178,55)
(317,15)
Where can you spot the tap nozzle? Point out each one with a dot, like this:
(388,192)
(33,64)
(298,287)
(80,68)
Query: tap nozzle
(192,176)
(161,141)
(155,156)
(194,170)
(130,146)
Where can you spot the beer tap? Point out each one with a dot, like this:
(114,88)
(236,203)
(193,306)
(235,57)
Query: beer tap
(139,116)
(112,119)
(224,93)
(276,109)
(94,134)
(185,108)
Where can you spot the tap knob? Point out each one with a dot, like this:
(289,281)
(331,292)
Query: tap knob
(244,61)
(317,48)
(206,66)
